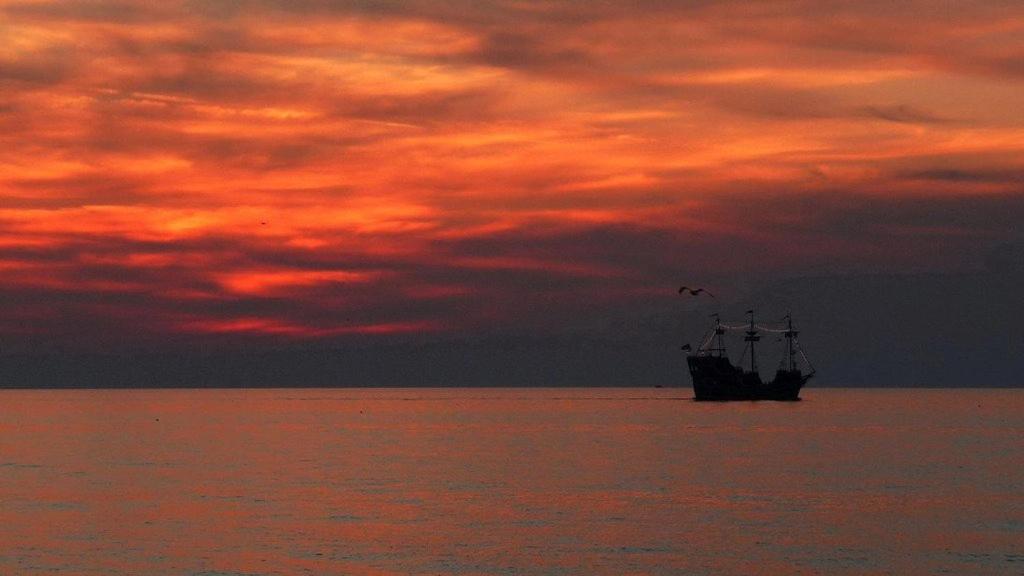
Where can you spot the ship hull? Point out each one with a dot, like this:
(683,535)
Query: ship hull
(716,379)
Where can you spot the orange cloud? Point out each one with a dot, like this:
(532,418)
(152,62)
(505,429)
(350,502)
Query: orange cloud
(245,168)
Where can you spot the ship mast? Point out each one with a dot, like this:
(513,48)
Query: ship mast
(751,338)
(719,336)
(790,335)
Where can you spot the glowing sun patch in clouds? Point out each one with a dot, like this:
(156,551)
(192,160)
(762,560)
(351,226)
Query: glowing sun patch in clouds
(270,282)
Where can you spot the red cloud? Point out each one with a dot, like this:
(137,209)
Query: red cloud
(279,170)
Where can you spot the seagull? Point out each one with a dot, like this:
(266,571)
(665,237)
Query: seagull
(694,291)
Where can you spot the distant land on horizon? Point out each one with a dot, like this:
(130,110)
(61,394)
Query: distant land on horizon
(860,330)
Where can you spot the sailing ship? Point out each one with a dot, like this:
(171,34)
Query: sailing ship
(716,378)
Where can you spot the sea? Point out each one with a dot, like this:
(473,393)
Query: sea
(547,481)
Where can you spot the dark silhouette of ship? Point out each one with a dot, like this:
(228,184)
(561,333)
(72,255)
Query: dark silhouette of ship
(716,378)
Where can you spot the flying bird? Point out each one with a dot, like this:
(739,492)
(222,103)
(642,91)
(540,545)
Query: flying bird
(694,291)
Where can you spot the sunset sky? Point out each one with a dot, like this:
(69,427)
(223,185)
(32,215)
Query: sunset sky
(310,171)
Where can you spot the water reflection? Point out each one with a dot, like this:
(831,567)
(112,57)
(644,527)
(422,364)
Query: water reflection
(509,482)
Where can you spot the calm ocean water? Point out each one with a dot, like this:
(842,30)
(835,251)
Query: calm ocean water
(502,481)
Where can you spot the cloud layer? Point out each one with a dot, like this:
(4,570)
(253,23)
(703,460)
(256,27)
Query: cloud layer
(313,169)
